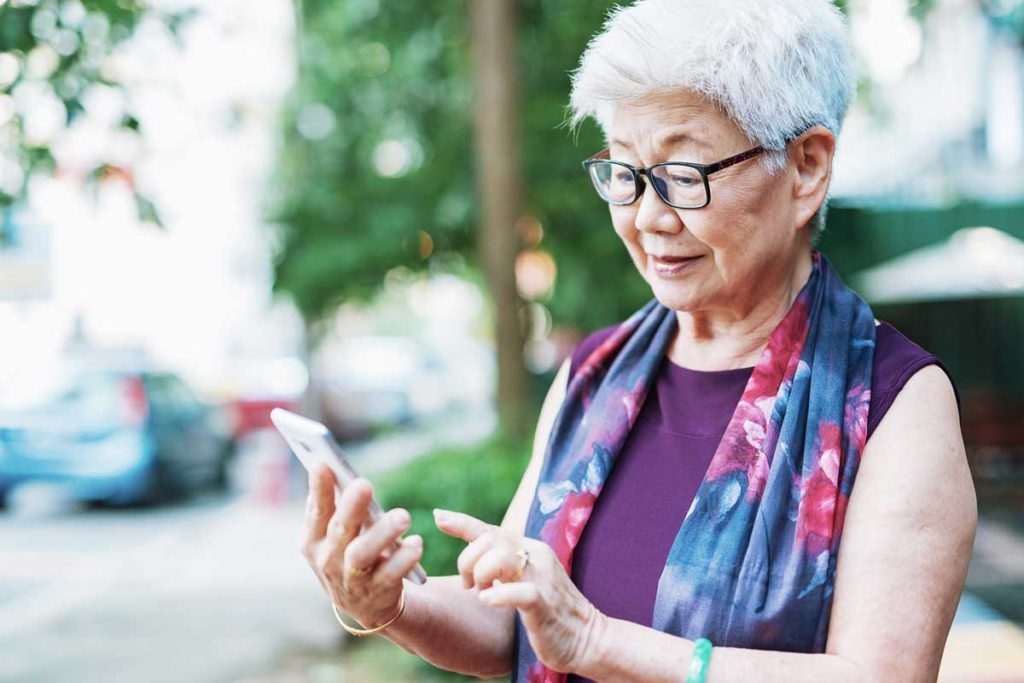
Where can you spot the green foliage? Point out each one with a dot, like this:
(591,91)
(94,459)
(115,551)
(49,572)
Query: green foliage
(61,49)
(478,480)
(398,75)
(402,72)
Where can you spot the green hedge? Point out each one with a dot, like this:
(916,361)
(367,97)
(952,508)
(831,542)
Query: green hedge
(479,480)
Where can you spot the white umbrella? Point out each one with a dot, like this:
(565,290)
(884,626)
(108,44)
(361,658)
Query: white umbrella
(973,262)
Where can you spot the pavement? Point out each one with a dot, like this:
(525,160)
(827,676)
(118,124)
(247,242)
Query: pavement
(204,593)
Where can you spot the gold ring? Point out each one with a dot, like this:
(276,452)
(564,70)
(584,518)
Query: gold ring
(524,555)
(359,571)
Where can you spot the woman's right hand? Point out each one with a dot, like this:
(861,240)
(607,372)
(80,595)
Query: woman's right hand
(334,547)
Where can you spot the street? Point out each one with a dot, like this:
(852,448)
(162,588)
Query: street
(211,590)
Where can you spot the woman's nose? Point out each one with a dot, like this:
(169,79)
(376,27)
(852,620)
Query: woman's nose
(654,215)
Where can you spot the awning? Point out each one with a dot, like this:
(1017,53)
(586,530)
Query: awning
(972,263)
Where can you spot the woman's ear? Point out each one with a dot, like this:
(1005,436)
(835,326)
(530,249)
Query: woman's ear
(811,155)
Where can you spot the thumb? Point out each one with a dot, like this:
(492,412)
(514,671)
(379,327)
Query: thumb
(459,525)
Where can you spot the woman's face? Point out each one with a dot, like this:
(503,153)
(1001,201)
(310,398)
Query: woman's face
(745,239)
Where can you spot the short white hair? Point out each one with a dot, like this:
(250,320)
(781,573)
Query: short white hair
(776,67)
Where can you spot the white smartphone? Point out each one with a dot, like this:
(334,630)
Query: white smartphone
(313,445)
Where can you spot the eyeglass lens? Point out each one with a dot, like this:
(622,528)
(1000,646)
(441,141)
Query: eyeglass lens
(679,185)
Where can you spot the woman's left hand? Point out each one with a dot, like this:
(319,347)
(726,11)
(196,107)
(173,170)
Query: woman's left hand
(561,623)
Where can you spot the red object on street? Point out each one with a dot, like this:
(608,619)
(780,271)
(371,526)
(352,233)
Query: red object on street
(253,414)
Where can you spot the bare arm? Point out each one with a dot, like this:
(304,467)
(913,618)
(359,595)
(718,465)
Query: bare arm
(907,542)
(441,612)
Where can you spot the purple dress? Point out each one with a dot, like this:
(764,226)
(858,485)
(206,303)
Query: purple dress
(662,464)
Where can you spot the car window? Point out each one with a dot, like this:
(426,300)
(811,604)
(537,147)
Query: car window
(90,396)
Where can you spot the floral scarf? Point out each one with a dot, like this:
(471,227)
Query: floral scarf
(754,560)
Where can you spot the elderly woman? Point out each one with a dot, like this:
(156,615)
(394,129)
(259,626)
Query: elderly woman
(690,512)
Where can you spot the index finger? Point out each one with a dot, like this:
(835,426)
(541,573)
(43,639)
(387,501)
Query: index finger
(459,524)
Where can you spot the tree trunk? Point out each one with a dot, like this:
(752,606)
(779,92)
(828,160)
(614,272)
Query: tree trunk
(496,116)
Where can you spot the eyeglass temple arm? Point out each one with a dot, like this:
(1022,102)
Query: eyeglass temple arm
(733,160)
(710,168)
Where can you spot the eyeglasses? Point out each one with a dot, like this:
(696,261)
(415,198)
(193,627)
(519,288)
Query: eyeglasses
(680,184)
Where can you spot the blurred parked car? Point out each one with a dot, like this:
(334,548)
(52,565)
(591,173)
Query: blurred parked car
(120,437)
(375,382)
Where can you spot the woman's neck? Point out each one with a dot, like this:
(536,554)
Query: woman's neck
(736,336)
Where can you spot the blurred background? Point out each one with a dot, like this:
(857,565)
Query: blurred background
(372,213)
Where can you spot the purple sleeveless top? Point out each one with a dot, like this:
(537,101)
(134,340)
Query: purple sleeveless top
(664,459)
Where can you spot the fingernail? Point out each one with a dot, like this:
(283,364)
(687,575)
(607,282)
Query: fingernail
(401,519)
(441,515)
(415,541)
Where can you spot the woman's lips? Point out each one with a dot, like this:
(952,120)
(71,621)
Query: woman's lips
(668,266)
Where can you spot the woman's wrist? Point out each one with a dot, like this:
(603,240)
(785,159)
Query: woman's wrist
(387,614)
(625,651)
(596,647)
(378,627)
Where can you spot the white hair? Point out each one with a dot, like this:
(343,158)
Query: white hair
(776,67)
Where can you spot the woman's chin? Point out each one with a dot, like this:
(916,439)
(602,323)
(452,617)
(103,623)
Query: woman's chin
(675,296)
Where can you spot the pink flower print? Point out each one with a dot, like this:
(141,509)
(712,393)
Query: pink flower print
(562,531)
(757,477)
(786,341)
(766,404)
(740,450)
(538,673)
(754,432)
(736,452)
(767,376)
(817,515)
(633,401)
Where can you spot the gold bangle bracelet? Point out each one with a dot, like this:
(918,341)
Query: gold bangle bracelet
(360,632)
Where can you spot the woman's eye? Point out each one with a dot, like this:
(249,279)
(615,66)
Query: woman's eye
(684,180)
(623,177)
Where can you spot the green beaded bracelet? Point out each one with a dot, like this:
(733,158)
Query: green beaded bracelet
(700,662)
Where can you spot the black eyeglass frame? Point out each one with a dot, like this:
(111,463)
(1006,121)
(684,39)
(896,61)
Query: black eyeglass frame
(704,169)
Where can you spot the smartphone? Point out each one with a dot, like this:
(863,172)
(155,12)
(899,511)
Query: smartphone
(312,444)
